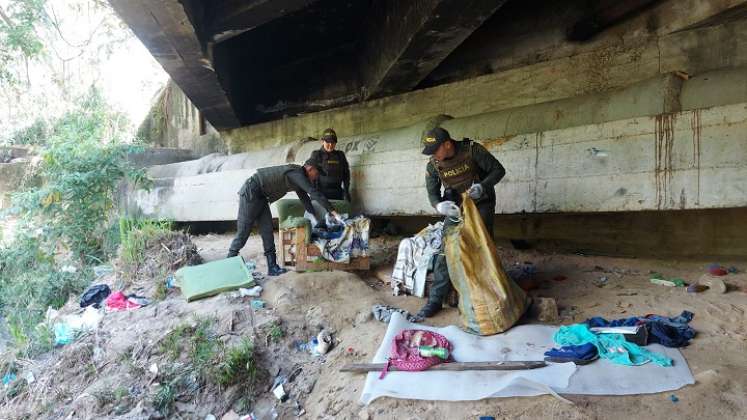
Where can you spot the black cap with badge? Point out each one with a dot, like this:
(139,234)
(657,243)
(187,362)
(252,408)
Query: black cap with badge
(329,136)
(433,138)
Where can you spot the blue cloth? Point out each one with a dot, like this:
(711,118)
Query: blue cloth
(586,351)
(669,332)
(612,347)
(331,232)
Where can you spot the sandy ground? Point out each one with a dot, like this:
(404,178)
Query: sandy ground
(341,302)
(717,356)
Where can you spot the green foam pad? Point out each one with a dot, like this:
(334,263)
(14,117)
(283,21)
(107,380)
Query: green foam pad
(210,279)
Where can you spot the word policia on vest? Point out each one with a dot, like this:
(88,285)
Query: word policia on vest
(457,171)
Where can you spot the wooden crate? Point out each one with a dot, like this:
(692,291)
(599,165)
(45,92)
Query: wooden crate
(295,252)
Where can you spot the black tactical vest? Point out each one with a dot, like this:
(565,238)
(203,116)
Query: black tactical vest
(273,182)
(459,172)
(332,163)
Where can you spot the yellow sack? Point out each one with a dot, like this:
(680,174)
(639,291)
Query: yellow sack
(489,301)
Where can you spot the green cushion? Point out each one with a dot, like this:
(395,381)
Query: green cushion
(292,207)
(201,281)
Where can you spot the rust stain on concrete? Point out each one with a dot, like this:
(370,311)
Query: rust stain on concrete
(696,128)
(496,143)
(663,144)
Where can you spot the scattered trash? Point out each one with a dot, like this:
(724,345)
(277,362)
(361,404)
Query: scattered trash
(63,335)
(559,278)
(733,270)
(8,378)
(170,282)
(601,281)
(153,369)
(69,269)
(317,346)
(69,326)
(696,288)
(94,295)
(674,398)
(487,418)
(30,378)
(258,304)
(140,300)
(713,282)
(300,411)
(280,393)
(717,270)
(210,417)
(117,301)
(253,292)
(102,270)
(324,342)
(384,313)
(251,265)
(657,278)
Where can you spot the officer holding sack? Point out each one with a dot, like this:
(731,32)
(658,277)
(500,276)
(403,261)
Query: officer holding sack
(456,167)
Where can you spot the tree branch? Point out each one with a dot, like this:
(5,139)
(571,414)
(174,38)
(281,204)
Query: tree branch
(6,18)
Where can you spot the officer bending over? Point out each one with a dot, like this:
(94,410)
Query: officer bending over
(265,187)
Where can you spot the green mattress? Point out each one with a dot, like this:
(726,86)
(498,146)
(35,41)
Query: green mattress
(210,279)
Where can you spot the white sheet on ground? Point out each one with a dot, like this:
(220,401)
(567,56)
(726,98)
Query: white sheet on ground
(525,342)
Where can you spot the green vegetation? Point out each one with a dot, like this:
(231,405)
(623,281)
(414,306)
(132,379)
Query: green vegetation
(275,332)
(135,234)
(196,358)
(17,35)
(238,364)
(62,224)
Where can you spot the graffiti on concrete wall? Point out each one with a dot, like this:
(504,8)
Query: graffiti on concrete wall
(361,146)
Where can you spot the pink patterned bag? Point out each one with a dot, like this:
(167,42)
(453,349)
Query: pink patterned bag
(405,354)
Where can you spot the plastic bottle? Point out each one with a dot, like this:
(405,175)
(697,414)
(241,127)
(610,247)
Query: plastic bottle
(429,351)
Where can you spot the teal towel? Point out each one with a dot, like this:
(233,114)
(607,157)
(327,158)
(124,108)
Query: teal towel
(612,347)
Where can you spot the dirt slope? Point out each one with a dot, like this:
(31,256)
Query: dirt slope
(69,382)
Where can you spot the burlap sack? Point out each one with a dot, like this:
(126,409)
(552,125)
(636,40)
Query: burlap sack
(489,301)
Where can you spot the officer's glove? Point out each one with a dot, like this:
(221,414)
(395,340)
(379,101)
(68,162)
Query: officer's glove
(448,208)
(475,191)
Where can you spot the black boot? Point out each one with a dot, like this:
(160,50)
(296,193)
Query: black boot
(232,253)
(273,269)
(429,310)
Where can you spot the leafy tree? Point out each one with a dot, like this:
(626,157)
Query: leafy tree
(18,37)
(81,167)
(62,224)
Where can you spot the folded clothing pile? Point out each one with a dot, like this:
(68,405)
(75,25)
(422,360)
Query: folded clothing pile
(669,332)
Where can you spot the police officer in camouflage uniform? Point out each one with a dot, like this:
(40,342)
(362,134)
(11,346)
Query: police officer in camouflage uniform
(335,185)
(459,167)
(265,187)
